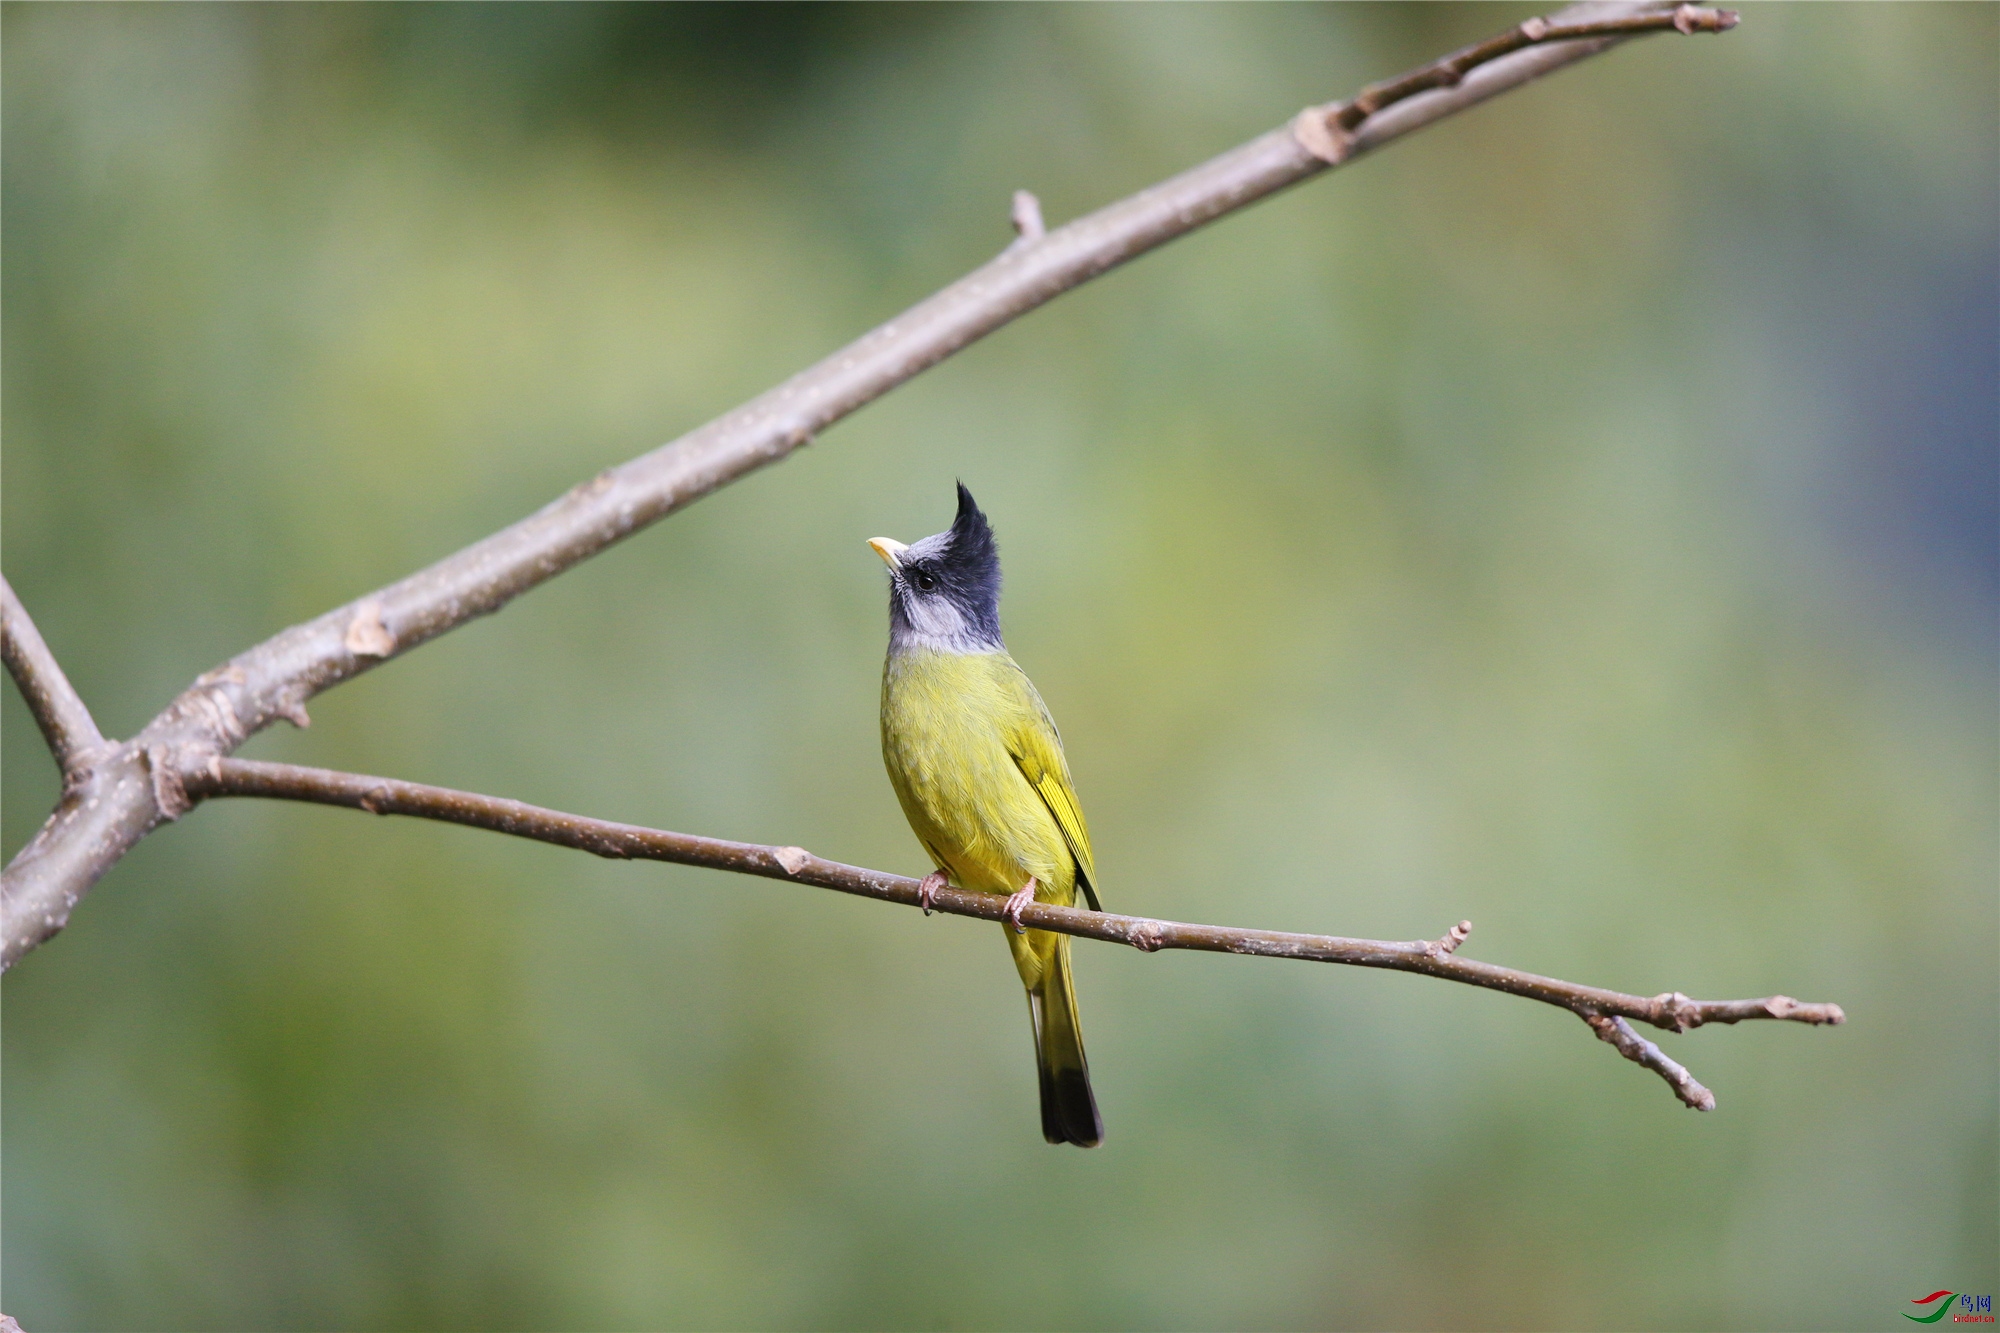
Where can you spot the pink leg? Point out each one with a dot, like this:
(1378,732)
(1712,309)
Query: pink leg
(927,888)
(1017,904)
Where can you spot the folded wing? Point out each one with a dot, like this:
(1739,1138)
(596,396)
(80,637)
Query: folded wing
(1037,749)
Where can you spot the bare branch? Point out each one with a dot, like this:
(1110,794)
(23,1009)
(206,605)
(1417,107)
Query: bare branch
(275,679)
(1450,71)
(1338,131)
(59,711)
(1642,1052)
(1606,1011)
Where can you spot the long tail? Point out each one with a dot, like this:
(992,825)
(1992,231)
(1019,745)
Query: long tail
(1069,1111)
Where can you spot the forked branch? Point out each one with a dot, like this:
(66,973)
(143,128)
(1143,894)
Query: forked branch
(1606,1011)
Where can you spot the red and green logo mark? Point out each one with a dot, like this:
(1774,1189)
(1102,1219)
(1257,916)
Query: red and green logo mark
(1983,1305)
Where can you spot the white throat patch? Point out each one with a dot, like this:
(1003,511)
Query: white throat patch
(936,623)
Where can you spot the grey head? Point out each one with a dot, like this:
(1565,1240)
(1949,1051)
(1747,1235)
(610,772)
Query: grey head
(944,591)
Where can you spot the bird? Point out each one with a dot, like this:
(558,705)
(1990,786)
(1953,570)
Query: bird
(978,767)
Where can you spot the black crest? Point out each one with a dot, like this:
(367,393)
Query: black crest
(972,555)
(970,566)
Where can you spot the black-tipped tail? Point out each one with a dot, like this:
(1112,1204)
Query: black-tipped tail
(1069,1111)
(1069,1108)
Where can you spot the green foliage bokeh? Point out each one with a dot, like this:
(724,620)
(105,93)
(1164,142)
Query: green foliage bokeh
(1578,518)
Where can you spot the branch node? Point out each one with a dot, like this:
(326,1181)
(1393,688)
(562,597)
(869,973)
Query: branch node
(373,800)
(1027,216)
(366,635)
(81,761)
(1691,19)
(792,859)
(169,793)
(1448,943)
(1676,1011)
(1535,29)
(1639,1051)
(1147,937)
(1317,130)
(291,706)
(229,729)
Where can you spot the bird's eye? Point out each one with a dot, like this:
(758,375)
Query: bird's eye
(924,579)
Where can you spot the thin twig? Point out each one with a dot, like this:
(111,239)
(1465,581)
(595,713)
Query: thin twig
(1642,1052)
(1434,958)
(1332,132)
(1449,71)
(1027,217)
(59,711)
(135,789)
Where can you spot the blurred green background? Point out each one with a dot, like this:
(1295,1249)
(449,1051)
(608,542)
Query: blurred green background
(1580,518)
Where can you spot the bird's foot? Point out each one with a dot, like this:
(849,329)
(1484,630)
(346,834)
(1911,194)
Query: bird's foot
(927,888)
(1017,904)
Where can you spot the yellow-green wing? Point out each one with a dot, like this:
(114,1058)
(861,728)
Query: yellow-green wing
(1037,749)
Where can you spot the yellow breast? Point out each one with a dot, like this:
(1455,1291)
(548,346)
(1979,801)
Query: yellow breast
(946,719)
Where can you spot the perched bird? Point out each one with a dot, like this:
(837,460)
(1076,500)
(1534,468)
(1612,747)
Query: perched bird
(977,764)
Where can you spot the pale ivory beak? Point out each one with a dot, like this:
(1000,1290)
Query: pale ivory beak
(889,549)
